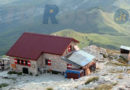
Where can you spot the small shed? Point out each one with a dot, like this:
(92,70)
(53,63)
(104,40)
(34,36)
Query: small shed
(124,49)
(82,60)
(125,52)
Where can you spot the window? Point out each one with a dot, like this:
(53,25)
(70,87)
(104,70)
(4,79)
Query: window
(70,48)
(18,61)
(22,62)
(15,61)
(69,66)
(48,62)
(26,62)
(29,63)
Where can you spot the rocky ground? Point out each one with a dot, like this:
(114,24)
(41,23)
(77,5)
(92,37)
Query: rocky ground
(111,74)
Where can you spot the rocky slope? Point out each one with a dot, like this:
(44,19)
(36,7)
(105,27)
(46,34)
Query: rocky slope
(110,74)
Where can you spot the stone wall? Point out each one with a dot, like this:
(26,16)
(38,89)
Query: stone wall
(19,68)
(57,64)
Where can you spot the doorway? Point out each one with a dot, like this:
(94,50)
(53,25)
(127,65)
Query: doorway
(25,70)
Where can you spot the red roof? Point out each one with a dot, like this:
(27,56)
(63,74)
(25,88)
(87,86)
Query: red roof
(31,45)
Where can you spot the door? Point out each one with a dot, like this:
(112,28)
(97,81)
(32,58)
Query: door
(25,70)
(87,71)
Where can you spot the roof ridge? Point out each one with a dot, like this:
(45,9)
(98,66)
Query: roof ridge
(50,35)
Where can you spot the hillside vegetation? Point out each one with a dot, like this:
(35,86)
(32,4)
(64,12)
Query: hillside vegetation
(104,40)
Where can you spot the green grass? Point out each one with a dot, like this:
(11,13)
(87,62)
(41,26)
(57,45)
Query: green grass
(115,71)
(92,79)
(121,64)
(101,87)
(117,64)
(120,76)
(9,78)
(49,88)
(13,72)
(3,85)
(123,60)
(102,40)
(104,87)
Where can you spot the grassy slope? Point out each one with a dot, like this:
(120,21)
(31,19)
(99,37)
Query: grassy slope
(107,41)
(109,21)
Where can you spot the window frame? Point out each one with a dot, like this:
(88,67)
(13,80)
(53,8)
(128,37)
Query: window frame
(46,62)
